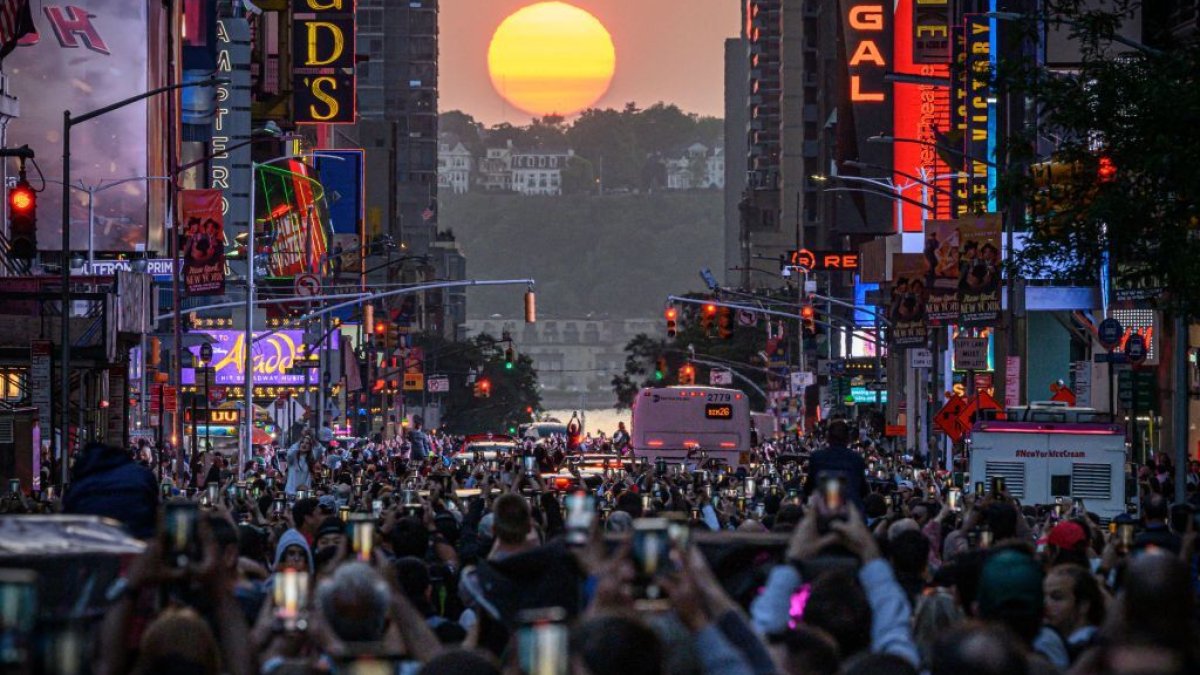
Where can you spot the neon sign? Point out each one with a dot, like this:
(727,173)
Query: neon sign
(865,26)
(278,359)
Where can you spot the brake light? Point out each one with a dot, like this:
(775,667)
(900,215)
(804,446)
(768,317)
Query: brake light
(691,444)
(728,444)
(562,483)
(654,444)
(737,397)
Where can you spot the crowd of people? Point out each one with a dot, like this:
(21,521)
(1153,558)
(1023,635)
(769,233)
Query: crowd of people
(826,555)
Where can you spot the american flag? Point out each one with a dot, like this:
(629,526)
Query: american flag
(16,21)
(427,214)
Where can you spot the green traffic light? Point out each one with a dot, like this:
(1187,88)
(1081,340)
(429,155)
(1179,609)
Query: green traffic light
(508,365)
(658,374)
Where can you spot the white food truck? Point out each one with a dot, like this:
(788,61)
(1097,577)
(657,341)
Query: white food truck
(1046,452)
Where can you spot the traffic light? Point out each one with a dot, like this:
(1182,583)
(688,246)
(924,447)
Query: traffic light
(381,329)
(808,316)
(153,352)
(660,369)
(509,356)
(1106,172)
(483,388)
(707,314)
(672,316)
(22,220)
(725,323)
(687,374)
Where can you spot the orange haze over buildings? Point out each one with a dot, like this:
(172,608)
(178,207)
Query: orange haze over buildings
(663,50)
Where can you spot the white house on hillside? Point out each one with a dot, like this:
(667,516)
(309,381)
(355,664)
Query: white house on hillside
(539,172)
(454,165)
(696,167)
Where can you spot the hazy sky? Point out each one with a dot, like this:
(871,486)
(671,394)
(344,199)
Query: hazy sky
(667,50)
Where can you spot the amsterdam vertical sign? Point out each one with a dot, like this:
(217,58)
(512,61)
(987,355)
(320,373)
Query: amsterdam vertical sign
(323,55)
(230,166)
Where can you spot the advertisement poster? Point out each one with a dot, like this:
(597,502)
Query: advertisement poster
(979,270)
(86,55)
(278,359)
(203,248)
(941,254)
(910,294)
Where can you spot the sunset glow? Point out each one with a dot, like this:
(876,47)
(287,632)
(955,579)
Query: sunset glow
(551,57)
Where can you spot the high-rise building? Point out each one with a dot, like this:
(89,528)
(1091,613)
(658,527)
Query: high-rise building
(398,106)
(736,60)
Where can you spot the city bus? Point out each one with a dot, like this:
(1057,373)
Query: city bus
(673,422)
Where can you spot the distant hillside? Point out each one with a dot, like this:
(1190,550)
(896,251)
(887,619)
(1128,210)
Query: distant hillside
(618,255)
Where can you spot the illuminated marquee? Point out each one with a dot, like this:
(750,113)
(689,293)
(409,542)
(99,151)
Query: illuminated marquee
(866,31)
(323,54)
(278,359)
(821,261)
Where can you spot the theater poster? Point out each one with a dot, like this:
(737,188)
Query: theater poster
(941,255)
(910,294)
(202,247)
(979,270)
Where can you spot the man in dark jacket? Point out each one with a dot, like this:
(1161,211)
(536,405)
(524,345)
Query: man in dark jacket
(836,459)
(107,482)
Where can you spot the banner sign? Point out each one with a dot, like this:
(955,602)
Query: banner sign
(979,87)
(961,190)
(909,298)
(979,270)
(930,31)
(941,252)
(323,53)
(203,247)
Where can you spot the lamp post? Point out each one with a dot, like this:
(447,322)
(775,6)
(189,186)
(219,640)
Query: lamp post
(247,449)
(69,122)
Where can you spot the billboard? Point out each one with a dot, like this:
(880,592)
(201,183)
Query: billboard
(88,54)
(979,270)
(910,295)
(203,253)
(344,188)
(323,54)
(276,358)
(977,29)
(941,252)
(293,205)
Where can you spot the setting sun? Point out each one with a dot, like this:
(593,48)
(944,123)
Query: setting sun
(551,58)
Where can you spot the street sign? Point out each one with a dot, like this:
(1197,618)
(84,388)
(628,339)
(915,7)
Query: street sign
(414,381)
(438,384)
(308,285)
(1135,349)
(920,358)
(1109,332)
(971,353)
(719,377)
(801,380)
(837,367)
(949,418)
(709,280)
(746,318)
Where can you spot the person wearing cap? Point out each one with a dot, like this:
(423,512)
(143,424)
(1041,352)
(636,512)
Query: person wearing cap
(1010,594)
(1067,544)
(331,533)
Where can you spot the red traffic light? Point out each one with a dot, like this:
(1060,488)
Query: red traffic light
(671,313)
(710,310)
(380,328)
(807,313)
(22,198)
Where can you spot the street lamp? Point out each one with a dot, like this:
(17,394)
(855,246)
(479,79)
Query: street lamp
(69,122)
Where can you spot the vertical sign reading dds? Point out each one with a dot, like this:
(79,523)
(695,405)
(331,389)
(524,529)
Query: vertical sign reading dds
(323,61)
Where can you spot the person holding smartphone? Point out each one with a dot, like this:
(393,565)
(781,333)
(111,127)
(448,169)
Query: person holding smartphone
(837,459)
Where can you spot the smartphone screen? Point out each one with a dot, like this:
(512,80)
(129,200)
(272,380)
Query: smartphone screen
(954,499)
(542,642)
(833,492)
(997,486)
(362,538)
(530,463)
(18,617)
(979,491)
(1125,535)
(179,532)
(650,552)
(213,492)
(376,507)
(581,510)
(290,594)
